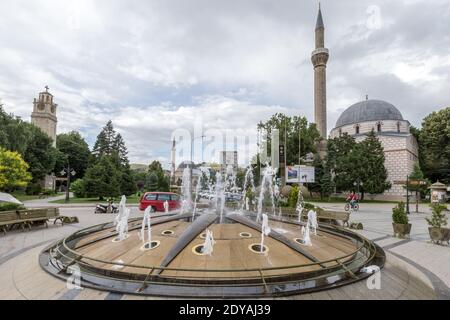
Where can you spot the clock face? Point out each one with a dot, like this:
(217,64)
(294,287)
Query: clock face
(41,107)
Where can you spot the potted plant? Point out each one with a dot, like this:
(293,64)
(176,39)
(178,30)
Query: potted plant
(400,221)
(438,219)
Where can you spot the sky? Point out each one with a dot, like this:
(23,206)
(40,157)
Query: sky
(158,68)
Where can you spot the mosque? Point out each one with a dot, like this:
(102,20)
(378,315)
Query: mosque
(393,131)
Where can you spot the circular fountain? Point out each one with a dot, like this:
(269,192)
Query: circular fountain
(214,253)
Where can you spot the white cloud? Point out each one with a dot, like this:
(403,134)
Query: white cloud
(154,66)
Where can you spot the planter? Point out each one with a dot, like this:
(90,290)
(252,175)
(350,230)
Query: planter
(401,230)
(439,235)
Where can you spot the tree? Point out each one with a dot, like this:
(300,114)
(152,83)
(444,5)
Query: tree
(127,182)
(319,173)
(40,154)
(106,139)
(73,151)
(30,142)
(294,133)
(349,163)
(415,178)
(13,170)
(434,146)
(156,178)
(372,171)
(102,179)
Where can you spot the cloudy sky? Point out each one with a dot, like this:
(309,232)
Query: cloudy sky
(158,66)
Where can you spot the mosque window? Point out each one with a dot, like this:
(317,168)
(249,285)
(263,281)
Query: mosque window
(357,129)
(398,127)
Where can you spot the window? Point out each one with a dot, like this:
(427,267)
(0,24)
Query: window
(340,132)
(357,129)
(150,197)
(378,127)
(164,197)
(398,127)
(175,197)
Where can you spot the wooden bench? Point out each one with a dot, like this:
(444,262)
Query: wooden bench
(26,218)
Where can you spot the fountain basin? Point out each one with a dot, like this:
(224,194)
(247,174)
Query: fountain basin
(174,269)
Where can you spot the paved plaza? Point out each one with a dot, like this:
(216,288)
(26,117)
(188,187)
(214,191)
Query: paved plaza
(415,268)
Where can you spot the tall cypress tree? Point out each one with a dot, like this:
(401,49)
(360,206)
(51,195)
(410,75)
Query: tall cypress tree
(373,174)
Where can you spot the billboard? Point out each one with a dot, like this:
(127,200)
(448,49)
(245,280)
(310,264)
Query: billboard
(302,174)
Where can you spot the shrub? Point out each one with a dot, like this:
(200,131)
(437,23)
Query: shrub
(10,207)
(78,189)
(438,219)
(33,189)
(293,197)
(399,214)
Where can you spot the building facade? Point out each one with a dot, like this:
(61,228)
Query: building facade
(400,146)
(44,114)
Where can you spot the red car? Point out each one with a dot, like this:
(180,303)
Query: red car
(157,199)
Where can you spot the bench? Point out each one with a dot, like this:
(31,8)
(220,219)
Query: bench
(26,218)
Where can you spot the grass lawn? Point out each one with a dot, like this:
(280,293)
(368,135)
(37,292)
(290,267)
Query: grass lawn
(336,199)
(21,196)
(131,199)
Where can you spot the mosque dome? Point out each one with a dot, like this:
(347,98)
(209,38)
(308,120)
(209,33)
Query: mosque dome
(369,110)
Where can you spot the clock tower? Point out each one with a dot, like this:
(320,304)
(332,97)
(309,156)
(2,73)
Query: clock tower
(44,114)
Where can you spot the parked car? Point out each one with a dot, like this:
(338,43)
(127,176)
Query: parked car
(156,201)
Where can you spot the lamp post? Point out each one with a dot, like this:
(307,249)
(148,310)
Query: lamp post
(68,172)
(357,184)
(407,194)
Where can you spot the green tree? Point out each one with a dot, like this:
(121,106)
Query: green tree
(349,163)
(102,179)
(127,182)
(78,188)
(40,154)
(319,172)
(416,177)
(13,170)
(73,151)
(294,132)
(34,146)
(157,178)
(434,146)
(371,169)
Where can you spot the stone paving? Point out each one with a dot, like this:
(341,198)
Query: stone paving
(377,222)
(425,260)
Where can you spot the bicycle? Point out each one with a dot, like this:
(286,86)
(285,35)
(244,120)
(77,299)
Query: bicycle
(355,206)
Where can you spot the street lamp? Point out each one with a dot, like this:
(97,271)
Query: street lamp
(68,172)
(357,184)
(407,194)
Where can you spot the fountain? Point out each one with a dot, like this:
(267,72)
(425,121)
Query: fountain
(249,184)
(166,259)
(265,230)
(166,206)
(146,221)
(312,221)
(208,245)
(266,186)
(121,220)
(186,195)
(220,196)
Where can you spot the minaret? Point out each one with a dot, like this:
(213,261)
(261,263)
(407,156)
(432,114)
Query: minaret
(319,58)
(172,171)
(44,114)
